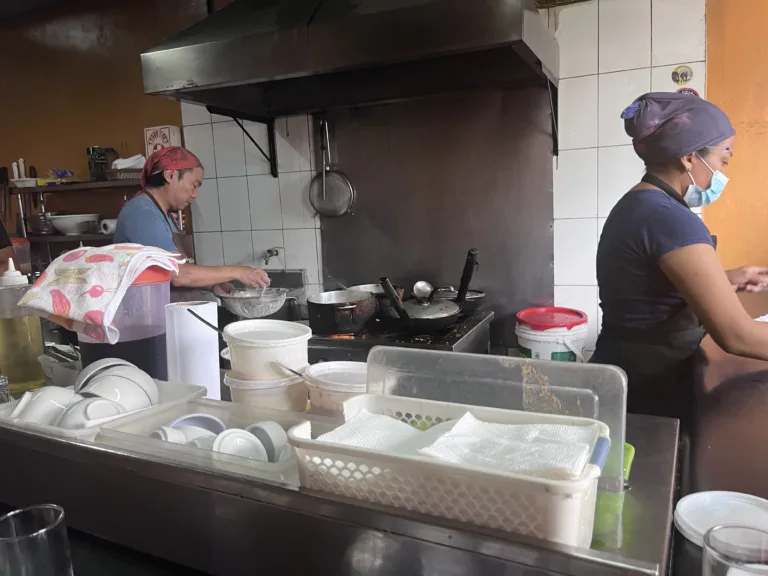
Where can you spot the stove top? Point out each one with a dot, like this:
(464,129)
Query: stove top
(470,334)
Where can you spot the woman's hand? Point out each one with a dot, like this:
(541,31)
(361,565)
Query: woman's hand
(748,278)
(224,289)
(253,277)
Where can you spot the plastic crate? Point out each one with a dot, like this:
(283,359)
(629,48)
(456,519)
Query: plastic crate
(557,510)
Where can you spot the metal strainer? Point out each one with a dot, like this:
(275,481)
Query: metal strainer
(255,302)
(330,192)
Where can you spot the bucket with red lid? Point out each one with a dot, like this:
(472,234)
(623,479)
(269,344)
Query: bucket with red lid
(552,333)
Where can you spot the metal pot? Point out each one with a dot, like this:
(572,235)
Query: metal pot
(472,300)
(340,312)
(382,300)
(421,315)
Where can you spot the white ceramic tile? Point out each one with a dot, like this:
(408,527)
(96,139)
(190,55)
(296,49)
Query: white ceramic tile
(294,200)
(255,163)
(205,208)
(230,150)
(617,91)
(661,78)
(292,137)
(625,34)
(264,194)
(619,170)
(577,112)
(208,249)
(576,33)
(600,224)
(199,141)
(575,252)
(238,248)
(312,289)
(192,114)
(263,240)
(599,316)
(679,31)
(583,298)
(219,118)
(234,204)
(301,252)
(319,243)
(575,184)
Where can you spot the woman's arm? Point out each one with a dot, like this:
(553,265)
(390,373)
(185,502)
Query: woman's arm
(195,276)
(697,274)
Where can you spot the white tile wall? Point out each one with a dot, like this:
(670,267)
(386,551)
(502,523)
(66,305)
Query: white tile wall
(241,210)
(611,52)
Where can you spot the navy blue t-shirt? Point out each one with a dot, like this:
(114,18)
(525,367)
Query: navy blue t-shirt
(642,227)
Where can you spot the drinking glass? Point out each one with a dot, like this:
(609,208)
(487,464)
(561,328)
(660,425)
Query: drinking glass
(33,542)
(735,551)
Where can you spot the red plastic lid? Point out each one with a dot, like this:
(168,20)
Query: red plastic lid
(153,275)
(19,241)
(548,317)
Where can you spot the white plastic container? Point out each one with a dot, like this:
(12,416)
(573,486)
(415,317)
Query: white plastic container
(333,383)
(256,345)
(286,394)
(557,510)
(552,333)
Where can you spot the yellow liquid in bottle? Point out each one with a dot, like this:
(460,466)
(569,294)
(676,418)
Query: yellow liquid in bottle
(20,344)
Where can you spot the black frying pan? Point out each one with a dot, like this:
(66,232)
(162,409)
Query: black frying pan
(421,316)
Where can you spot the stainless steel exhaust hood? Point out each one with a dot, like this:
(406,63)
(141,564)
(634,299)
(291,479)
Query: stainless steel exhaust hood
(267,58)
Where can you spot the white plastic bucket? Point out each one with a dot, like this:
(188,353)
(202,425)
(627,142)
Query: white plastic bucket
(332,383)
(256,345)
(561,344)
(285,394)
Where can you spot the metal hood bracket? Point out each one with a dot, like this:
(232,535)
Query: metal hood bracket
(278,57)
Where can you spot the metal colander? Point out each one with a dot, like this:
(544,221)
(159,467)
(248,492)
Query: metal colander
(255,302)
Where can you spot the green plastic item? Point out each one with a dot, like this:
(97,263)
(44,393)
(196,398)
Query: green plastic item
(608,510)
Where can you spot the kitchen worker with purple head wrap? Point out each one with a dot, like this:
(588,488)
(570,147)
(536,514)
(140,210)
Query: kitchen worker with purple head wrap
(661,285)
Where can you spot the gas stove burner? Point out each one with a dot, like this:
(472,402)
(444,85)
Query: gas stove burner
(421,339)
(343,336)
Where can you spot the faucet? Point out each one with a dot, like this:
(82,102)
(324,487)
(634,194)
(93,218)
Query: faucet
(272,253)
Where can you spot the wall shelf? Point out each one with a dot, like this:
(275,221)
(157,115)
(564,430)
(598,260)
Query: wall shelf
(79,187)
(54,238)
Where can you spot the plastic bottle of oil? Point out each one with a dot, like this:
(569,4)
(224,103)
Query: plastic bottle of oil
(21,341)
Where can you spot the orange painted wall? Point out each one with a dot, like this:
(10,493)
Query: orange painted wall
(737,81)
(72,79)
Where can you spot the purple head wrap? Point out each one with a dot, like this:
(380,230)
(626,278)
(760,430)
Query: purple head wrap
(668,125)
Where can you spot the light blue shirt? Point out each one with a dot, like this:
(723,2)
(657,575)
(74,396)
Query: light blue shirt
(140,222)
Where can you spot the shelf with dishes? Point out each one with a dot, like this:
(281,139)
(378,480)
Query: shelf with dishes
(78,187)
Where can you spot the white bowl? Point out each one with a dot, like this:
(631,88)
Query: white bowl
(45,405)
(79,413)
(24,182)
(172,435)
(118,389)
(238,442)
(203,442)
(200,420)
(138,376)
(273,438)
(71,224)
(99,366)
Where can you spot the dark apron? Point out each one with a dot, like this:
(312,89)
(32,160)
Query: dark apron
(659,361)
(184,245)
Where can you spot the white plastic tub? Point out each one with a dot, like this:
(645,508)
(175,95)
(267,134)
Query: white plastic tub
(333,383)
(256,345)
(285,394)
(557,510)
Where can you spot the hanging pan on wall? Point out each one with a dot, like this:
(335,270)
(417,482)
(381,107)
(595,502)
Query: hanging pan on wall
(330,192)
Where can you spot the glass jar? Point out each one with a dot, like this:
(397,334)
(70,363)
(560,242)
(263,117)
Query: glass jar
(141,322)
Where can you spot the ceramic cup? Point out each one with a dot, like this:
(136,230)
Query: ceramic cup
(203,442)
(45,405)
(273,437)
(172,435)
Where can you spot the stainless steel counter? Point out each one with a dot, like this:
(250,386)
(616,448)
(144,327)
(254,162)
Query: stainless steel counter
(229,525)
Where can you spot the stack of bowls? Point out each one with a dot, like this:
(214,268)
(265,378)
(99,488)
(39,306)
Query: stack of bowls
(256,350)
(105,389)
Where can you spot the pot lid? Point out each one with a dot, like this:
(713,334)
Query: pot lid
(548,317)
(423,310)
(453,294)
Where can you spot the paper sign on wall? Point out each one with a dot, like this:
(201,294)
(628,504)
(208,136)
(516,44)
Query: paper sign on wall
(159,137)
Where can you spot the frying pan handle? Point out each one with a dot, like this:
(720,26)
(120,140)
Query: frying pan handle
(466,276)
(391,293)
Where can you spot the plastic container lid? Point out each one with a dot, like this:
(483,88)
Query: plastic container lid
(339,376)
(12,277)
(697,513)
(231,380)
(266,333)
(548,317)
(152,275)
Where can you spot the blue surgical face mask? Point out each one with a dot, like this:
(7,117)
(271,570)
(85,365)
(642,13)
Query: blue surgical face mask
(696,196)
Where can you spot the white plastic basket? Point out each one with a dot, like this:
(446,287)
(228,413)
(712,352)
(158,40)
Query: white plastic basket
(558,510)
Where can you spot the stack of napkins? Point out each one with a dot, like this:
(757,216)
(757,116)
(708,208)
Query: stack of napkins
(553,451)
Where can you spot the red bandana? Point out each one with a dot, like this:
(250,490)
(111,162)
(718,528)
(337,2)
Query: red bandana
(171,158)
